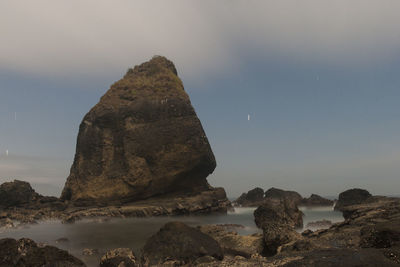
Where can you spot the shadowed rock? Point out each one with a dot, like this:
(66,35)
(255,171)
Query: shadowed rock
(281,194)
(141,140)
(25,253)
(253,197)
(316,200)
(179,242)
(352,197)
(119,257)
(17,193)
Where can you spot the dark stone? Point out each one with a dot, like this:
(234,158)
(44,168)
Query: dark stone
(352,197)
(381,235)
(16,193)
(25,253)
(278,218)
(316,200)
(179,242)
(142,139)
(252,198)
(281,194)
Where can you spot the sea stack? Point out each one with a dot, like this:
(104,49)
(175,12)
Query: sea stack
(142,139)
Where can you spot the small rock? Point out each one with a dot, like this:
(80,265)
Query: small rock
(119,257)
(62,240)
(90,251)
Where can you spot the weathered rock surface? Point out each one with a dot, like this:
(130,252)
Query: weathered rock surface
(232,243)
(352,197)
(141,140)
(252,198)
(178,242)
(316,200)
(119,257)
(277,193)
(278,219)
(26,253)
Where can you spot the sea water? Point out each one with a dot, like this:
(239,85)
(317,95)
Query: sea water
(107,234)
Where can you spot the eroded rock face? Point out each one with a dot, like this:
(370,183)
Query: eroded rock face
(178,242)
(352,197)
(141,140)
(25,252)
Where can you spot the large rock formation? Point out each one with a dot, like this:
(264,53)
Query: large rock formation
(352,197)
(283,194)
(142,139)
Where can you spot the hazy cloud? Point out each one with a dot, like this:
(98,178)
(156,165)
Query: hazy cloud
(94,37)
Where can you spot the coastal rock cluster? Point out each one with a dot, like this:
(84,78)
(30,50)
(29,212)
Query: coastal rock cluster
(257,196)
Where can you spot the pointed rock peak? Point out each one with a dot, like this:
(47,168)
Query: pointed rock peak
(156,64)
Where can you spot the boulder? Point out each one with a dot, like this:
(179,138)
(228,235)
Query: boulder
(142,139)
(280,211)
(17,193)
(381,235)
(316,200)
(252,198)
(119,257)
(278,219)
(280,194)
(26,253)
(352,197)
(178,242)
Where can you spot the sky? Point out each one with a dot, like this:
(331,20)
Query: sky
(320,80)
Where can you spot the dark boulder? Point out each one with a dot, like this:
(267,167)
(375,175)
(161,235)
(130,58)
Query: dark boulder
(352,197)
(283,194)
(381,235)
(178,242)
(119,257)
(142,139)
(26,253)
(17,193)
(253,197)
(316,200)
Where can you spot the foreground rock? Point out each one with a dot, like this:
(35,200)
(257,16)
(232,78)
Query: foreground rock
(278,219)
(319,224)
(316,200)
(276,193)
(25,252)
(180,243)
(232,243)
(352,197)
(119,257)
(142,139)
(252,198)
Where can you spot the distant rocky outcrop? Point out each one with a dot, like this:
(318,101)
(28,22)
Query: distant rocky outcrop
(179,243)
(17,193)
(253,197)
(316,200)
(283,194)
(143,139)
(352,197)
(26,253)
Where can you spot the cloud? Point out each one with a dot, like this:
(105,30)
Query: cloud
(93,37)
